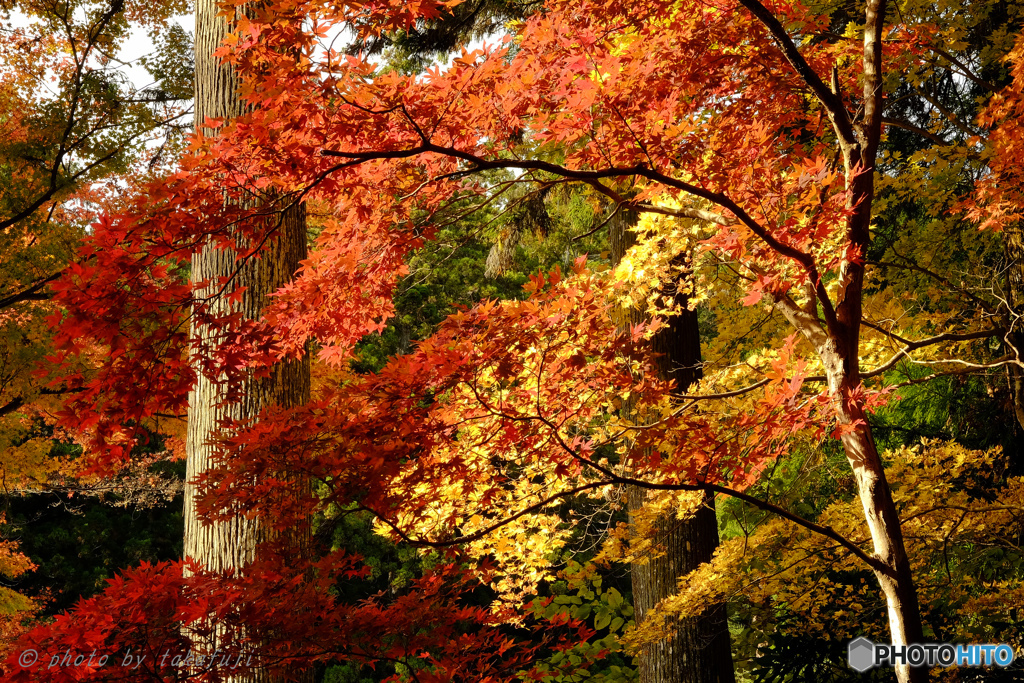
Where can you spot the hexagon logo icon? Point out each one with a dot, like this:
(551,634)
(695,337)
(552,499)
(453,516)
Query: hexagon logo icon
(861,654)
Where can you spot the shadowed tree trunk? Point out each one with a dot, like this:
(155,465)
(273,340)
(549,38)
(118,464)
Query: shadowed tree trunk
(700,650)
(232,544)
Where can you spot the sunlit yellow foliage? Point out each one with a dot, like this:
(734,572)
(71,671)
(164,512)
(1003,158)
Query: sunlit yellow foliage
(15,608)
(662,256)
(635,542)
(493,487)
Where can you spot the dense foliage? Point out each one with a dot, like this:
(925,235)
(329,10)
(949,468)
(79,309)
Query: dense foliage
(834,187)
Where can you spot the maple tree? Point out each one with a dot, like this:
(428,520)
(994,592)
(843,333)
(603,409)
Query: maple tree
(756,128)
(537,212)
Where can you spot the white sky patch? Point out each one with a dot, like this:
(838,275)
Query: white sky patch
(140,45)
(137,45)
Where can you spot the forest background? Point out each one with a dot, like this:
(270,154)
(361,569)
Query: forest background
(525,216)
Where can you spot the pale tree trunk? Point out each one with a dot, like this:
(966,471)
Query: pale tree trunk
(841,357)
(232,544)
(834,328)
(838,349)
(699,650)
(1014,237)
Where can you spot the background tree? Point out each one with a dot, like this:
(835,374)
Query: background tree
(73,127)
(699,647)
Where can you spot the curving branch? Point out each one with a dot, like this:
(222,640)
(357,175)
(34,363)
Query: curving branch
(476,535)
(923,132)
(832,102)
(945,281)
(594,178)
(31,293)
(930,341)
(613,478)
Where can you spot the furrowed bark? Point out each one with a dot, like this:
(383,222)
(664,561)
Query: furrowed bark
(699,650)
(233,544)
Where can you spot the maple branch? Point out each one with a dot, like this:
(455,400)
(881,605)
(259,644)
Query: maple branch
(593,178)
(64,148)
(832,102)
(494,196)
(476,535)
(614,478)
(685,212)
(603,223)
(827,531)
(482,164)
(30,293)
(910,265)
(966,510)
(12,405)
(19,401)
(937,339)
(908,346)
(726,394)
(936,375)
(927,134)
(804,321)
(947,114)
(889,333)
(1008,359)
(53,188)
(965,71)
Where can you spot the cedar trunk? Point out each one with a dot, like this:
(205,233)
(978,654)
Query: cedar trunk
(699,651)
(232,544)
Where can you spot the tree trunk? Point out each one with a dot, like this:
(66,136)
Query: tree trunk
(838,346)
(232,544)
(1015,296)
(699,651)
(896,580)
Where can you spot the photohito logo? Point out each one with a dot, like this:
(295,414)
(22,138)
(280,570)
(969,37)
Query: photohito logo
(863,654)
